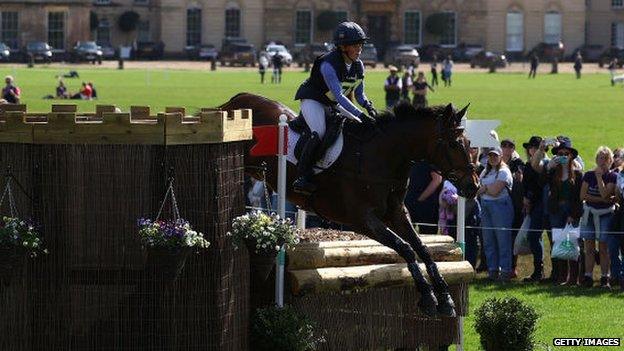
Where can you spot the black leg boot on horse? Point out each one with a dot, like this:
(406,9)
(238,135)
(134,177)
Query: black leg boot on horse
(305,166)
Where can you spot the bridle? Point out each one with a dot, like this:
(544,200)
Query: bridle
(443,148)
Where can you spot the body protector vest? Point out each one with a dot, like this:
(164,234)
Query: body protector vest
(315,88)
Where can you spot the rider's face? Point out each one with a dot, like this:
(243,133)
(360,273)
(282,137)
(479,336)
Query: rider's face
(352,51)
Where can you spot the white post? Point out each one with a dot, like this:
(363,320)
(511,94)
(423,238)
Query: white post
(281,210)
(301,219)
(461,241)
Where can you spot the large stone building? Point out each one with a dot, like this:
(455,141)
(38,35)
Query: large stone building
(59,22)
(499,25)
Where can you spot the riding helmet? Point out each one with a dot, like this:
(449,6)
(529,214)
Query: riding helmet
(349,33)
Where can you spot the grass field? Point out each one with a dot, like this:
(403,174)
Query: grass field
(589,110)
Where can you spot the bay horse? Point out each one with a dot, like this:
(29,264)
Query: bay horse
(366,186)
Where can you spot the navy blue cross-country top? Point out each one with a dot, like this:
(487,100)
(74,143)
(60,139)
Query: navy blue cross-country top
(330,82)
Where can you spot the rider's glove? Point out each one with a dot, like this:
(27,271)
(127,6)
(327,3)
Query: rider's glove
(366,119)
(371,110)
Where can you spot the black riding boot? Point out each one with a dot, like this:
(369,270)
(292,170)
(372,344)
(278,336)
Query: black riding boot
(303,184)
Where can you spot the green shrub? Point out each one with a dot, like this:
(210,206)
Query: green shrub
(506,324)
(283,329)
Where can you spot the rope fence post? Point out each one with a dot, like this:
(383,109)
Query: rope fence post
(461,241)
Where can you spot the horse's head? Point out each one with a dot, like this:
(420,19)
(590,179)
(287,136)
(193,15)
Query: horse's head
(449,149)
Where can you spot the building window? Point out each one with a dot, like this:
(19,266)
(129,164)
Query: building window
(303,27)
(449,36)
(193,26)
(103,31)
(9,29)
(141,2)
(515,31)
(617,4)
(411,27)
(56,29)
(552,28)
(617,34)
(232,22)
(102,2)
(143,32)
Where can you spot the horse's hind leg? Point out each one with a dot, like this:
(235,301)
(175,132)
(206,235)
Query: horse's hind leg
(377,230)
(401,224)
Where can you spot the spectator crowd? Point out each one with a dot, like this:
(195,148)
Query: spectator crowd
(551,191)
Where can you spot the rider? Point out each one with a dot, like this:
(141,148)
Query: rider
(334,76)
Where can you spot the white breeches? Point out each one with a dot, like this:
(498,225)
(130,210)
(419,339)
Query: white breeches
(314,115)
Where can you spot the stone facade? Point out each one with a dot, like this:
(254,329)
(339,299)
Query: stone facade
(483,22)
(32,21)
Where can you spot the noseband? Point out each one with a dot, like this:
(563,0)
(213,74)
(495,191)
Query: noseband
(442,148)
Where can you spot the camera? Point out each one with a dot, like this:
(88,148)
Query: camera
(563,160)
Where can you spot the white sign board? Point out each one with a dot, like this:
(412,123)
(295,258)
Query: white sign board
(478,131)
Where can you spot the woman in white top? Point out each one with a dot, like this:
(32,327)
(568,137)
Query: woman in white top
(497,215)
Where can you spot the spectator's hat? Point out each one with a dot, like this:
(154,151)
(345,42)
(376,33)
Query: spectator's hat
(393,68)
(507,142)
(535,141)
(495,150)
(565,143)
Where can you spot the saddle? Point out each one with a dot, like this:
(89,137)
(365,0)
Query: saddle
(334,123)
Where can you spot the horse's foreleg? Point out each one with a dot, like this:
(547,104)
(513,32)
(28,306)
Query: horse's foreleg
(378,231)
(401,223)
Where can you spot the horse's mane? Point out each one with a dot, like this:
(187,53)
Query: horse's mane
(405,110)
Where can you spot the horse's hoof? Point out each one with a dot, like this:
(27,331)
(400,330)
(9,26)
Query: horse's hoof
(428,304)
(446,306)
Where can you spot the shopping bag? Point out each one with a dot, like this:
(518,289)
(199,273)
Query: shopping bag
(521,244)
(565,243)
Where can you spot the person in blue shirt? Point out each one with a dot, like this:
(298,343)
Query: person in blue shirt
(334,76)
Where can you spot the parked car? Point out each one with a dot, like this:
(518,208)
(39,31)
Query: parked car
(39,51)
(610,54)
(590,53)
(546,52)
(485,59)
(273,49)
(202,52)
(465,52)
(369,55)
(86,51)
(5,53)
(108,51)
(149,50)
(311,51)
(238,53)
(402,55)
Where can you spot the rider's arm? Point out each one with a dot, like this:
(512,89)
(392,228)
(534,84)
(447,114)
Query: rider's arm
(331,79)
(360,97)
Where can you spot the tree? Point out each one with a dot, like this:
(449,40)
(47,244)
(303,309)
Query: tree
(327,20)
(128,21)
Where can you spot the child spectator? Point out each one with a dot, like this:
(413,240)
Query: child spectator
(93,91)
(420,90)
(598,192)
(448,208)
(61,91)
(10,92)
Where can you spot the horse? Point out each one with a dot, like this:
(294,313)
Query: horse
(366,186)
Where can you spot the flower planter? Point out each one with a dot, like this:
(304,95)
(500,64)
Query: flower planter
(260,263)
(12,263)
(165,264)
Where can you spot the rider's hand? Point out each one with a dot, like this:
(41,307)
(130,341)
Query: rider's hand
(367,120)
(371,111)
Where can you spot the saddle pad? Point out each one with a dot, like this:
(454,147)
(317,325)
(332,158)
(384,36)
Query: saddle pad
(325,162)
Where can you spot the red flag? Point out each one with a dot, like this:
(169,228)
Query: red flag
(267,141)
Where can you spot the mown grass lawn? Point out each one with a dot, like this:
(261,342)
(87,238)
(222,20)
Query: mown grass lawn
(588,110)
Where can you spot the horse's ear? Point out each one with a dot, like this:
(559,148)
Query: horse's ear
(448,111)
(459,115)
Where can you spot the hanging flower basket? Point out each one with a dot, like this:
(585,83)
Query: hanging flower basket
(19,239)
(263,235)
(167,245)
